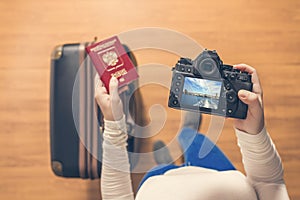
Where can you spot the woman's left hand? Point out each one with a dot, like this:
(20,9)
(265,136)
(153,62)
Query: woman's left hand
(110,103)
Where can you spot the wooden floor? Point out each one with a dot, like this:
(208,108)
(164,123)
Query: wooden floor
(264,34)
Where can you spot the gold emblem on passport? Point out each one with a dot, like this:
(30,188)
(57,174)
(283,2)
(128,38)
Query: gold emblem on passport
(110,58)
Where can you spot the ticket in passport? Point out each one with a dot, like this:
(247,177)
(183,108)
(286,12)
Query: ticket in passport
(110,59)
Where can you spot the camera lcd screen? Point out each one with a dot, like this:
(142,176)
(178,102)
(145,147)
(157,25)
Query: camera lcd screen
(201,93)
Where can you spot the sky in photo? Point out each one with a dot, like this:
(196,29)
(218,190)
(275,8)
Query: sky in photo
(202,86)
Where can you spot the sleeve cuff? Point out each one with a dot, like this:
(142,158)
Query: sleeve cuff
(249,138)
(115,125)
(115,133)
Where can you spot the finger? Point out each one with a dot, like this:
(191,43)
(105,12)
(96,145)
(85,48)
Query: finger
(113,88)
(255,115)
(116,103)
(101,96)
(97,82)
(254,76)
(123,89)
(244,68)
(250,98)
(249,69)
(100,93)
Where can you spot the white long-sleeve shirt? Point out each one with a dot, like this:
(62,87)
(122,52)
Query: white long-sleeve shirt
(264,180)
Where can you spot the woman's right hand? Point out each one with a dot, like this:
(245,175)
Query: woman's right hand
(254,123)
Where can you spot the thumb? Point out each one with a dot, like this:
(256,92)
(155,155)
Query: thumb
(249,98)
(254,122)
(114,89)
(116,103)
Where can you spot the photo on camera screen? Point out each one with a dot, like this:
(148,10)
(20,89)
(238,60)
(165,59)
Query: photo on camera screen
(201,93)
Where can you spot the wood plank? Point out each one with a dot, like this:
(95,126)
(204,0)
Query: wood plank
(264,34)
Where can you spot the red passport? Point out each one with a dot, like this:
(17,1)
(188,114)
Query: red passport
(110,59)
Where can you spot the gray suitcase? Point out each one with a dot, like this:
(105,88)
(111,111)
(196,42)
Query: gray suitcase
(76,121)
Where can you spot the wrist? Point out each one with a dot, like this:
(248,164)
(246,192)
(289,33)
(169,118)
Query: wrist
(114,116)
(119,124)
(244,134)
(115,133)
(251,126)
(247,132)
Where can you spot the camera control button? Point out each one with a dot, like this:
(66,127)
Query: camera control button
(229,111)
(243,77)
(227,86)
(178,77)
(232,76)
(188,69)
(180,68)
(175,102)
(177,83)
(231,97)
(185,61)
(226,75)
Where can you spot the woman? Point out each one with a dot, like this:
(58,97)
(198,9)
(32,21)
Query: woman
(264,171)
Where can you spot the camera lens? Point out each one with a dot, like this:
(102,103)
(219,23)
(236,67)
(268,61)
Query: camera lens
(208,67)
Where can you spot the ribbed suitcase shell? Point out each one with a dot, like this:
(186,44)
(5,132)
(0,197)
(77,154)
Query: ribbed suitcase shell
(75,128)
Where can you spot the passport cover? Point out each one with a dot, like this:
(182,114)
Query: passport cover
(110,59)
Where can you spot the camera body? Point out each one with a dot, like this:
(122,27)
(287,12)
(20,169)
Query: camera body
(209,86)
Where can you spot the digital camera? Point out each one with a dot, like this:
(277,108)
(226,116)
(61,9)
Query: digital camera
(209,86)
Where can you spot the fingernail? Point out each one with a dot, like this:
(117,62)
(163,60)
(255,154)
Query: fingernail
(243,94)
(114,78)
